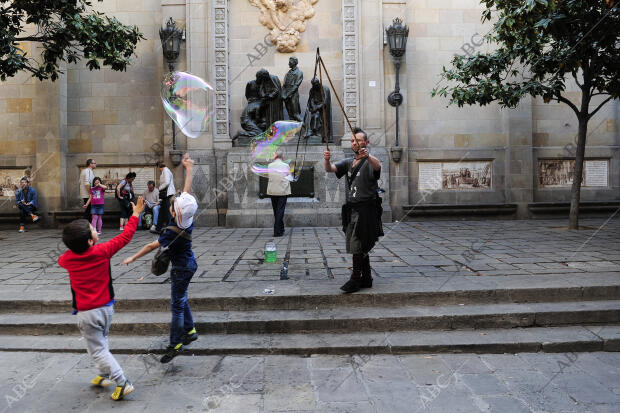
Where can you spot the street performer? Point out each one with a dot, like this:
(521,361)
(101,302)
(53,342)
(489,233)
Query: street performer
(361,215)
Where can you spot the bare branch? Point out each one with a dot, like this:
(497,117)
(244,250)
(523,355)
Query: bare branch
(569,103)
(41,39)
(599,107)
(576,77)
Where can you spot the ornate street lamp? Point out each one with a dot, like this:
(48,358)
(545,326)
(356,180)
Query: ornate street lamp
(397,41)
(171,37)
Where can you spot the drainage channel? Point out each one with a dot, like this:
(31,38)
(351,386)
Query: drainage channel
(287,257)
(328,271)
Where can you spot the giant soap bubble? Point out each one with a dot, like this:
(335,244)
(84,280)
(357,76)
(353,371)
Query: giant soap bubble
(188,100)
(277,137)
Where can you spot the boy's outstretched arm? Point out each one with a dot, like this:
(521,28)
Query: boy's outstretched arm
(188,164)
(145,250)
(115,244)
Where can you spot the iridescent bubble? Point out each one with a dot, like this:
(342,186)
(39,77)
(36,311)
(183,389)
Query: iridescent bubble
(188,100)
(265,146)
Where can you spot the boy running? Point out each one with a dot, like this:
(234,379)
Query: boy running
(177,238)
(88,264)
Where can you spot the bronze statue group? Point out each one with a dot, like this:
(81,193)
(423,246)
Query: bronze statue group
(267,98)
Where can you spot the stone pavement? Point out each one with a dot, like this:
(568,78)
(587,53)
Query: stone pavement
(409,251)
(518,264)
(447,383)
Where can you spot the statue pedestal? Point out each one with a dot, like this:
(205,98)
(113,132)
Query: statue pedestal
(242,141)
(246,209)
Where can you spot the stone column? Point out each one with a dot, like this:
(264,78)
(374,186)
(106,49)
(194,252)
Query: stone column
(48,170)
(399,171)
(219,20)
(519,158)
(350,61)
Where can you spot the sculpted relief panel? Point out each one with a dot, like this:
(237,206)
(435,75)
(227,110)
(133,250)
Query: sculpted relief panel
(286,20)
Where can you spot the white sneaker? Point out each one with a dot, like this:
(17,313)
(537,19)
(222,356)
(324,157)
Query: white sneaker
(34,218)
(121,228)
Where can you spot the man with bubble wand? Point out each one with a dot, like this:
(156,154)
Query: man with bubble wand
(361,214)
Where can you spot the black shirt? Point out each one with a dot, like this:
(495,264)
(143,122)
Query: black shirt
(364,187)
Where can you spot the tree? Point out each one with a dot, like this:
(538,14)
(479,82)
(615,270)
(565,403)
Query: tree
(550,40)
(66,31)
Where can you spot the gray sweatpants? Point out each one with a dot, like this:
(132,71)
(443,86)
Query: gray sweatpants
(95,325)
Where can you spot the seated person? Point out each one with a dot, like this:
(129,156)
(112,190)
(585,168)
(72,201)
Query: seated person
(151,204)
(26,200)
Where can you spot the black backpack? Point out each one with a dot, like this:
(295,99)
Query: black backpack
(161,260)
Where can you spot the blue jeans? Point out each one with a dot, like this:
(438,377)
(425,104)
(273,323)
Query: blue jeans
(155,210)
(24,212)
(182,320)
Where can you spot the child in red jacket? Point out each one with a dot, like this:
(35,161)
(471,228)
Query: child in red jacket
(88,264)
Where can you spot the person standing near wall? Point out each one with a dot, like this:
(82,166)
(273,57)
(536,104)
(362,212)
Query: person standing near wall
(278,188)
(125,196)
(166,191)
(86,181)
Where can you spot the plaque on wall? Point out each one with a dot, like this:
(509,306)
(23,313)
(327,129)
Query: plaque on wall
(473,175)
(429,176)
(596,172)
(111,176)
(9,181)
(558,173)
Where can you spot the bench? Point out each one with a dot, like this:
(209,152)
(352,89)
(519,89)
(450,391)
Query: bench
(9,217)
(66,216)
(563,208)
(456,211)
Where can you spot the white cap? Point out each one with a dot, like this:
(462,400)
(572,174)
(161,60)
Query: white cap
(185,207)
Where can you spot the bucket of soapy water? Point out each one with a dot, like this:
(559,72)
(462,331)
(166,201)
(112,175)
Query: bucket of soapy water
(271,254)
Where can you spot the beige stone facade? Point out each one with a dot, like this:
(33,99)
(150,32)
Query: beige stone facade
(117,118)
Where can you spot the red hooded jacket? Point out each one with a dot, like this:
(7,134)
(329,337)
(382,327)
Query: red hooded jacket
(90,274)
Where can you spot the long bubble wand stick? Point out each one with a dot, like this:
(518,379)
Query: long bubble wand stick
(325,125)
(322,63)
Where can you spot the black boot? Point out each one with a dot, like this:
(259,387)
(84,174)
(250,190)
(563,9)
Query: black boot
(366,280)
(353,284)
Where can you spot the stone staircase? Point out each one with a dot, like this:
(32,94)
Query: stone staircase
(381,320)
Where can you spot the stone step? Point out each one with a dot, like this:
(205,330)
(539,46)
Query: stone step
(546,339)
(340,319)
(327,295)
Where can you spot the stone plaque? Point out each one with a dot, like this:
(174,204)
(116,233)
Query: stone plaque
(9,181)
(472,175)
(558,173)
(112,175)
(429,176)
(596,173)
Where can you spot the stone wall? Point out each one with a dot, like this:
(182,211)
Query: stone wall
(117,117)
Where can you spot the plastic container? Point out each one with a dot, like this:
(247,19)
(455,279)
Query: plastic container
(271,254)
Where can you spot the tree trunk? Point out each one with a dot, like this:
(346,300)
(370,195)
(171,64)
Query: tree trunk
(573,217)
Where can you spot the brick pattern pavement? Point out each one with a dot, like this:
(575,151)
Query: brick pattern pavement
(409,249)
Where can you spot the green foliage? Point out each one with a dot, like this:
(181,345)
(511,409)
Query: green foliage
(539,43)
(65,31)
